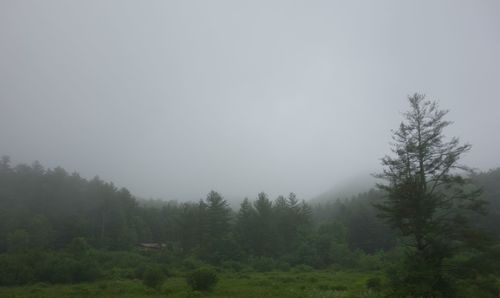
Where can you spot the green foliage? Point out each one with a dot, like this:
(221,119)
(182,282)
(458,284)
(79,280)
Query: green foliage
(370,262)
(85,231)
(14,270)
(283,266)
(59,268)
(233,266)
(263,264)
(248,285)
(351,224)
(79,247)
(416,278)
(153,277)
(203,279)
(22,268)
(192,263)
(18,241)
(488,181)
(47,208)
(374,283)
(427,201)
(486,286)
(270,284)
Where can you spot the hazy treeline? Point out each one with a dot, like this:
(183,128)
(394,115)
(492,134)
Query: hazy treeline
(50,210)
(47,208)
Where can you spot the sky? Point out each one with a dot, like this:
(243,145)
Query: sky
(172,99)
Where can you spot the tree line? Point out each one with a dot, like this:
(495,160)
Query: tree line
(45,209)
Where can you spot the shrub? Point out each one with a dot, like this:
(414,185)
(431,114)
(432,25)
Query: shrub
(56,268)
(86,271)
(374,283)
(283,266)
(369,262)
(191,263)
(263,264)
(153,277)
(480,286)
(13,271)
(166,271)
(61,268)
(203,279)
(139,271)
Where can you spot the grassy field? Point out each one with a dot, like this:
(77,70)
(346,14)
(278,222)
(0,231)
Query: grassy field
(270,284)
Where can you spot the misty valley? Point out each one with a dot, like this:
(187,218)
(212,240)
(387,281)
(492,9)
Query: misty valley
(250,149)
(62,235)
(424,232)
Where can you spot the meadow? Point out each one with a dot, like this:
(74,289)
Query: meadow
(243,284)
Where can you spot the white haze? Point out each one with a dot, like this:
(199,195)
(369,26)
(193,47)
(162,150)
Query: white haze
(174,98)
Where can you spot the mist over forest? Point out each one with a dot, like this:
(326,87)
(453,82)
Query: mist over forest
(260,149)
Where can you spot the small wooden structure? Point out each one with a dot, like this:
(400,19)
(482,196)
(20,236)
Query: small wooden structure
(152,246)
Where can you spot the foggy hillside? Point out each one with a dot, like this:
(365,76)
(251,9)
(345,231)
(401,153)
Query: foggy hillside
(285,149)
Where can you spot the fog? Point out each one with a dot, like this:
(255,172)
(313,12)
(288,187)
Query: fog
(174,98)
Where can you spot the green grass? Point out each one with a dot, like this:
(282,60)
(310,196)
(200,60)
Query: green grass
(271,284)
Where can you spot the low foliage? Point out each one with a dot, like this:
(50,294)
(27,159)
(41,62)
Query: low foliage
(374,283)
(203,279)
(153,277)
(249,285)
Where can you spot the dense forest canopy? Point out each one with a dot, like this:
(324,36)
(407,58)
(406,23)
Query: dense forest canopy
(58,227)
(47,208)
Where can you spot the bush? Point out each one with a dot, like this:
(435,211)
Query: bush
(203,279)
(369,262)
(56,269)
(374,283)
(86,271)
(414,278)
(14,271)
(191,263)
(283,266)
(263,264)
(139,271)
(153,277)
(60,268)
(480,286)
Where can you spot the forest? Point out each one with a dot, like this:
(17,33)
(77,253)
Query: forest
(59,228)
(249,149)
(429,229)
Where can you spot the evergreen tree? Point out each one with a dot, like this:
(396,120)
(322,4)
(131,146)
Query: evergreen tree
(245,231)
(217,244)
(218,216)
(264,225)
(427,200)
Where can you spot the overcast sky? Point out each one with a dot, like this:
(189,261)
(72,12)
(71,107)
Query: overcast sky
(174,98)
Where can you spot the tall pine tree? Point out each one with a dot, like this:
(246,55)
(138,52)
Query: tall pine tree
(428,200)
